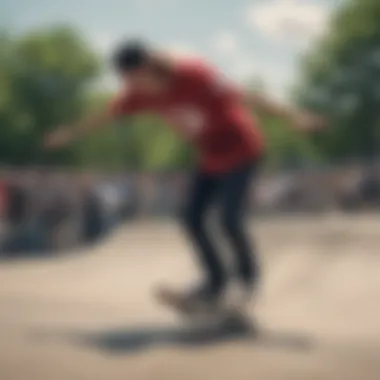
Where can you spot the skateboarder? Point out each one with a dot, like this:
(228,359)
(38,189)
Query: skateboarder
(210,113)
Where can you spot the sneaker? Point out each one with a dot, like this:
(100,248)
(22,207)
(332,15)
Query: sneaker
(237,296)
(199,300)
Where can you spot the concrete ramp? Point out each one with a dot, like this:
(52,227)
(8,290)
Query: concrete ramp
(91,314)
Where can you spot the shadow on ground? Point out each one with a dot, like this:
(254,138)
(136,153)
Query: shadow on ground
(140,338)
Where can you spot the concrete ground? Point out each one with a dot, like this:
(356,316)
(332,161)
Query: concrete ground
(90,315)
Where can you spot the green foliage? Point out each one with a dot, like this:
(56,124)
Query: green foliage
(43,78)
(342,79)
(142,143)
(285,147)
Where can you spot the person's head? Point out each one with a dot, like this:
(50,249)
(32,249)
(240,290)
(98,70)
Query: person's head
(140,66)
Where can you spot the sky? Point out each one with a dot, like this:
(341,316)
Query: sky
(245,38)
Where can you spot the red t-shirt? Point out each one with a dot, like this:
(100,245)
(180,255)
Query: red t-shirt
(206,110)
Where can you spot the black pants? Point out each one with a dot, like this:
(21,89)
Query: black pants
(229,193)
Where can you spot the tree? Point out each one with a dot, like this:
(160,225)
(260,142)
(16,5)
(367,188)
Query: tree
(44,76)
(342,79)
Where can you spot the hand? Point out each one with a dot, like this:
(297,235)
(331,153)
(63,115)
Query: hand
(58,138)
(307,122)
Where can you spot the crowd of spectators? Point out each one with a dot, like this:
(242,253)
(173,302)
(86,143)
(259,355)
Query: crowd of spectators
(51,210)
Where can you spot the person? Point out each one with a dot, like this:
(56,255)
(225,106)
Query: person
(3,208)
(209,112)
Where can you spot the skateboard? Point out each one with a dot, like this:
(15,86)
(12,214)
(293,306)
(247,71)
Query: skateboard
(205,315)
(220,323)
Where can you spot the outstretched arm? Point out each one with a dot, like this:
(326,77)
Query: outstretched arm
(64,135)
(299,120)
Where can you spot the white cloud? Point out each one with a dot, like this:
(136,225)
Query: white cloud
(294,22)
(239,65)
(226,43)
(182,50)
(243,69)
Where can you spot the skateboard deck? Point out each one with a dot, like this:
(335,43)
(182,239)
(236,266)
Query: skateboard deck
(215,315)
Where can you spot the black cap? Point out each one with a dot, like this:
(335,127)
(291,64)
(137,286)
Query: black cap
(131,55)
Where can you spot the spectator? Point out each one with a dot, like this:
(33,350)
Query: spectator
(56,210)
(92,226)
(369,189)
(17,207)
(16,213)
(110,195)
(3,205)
